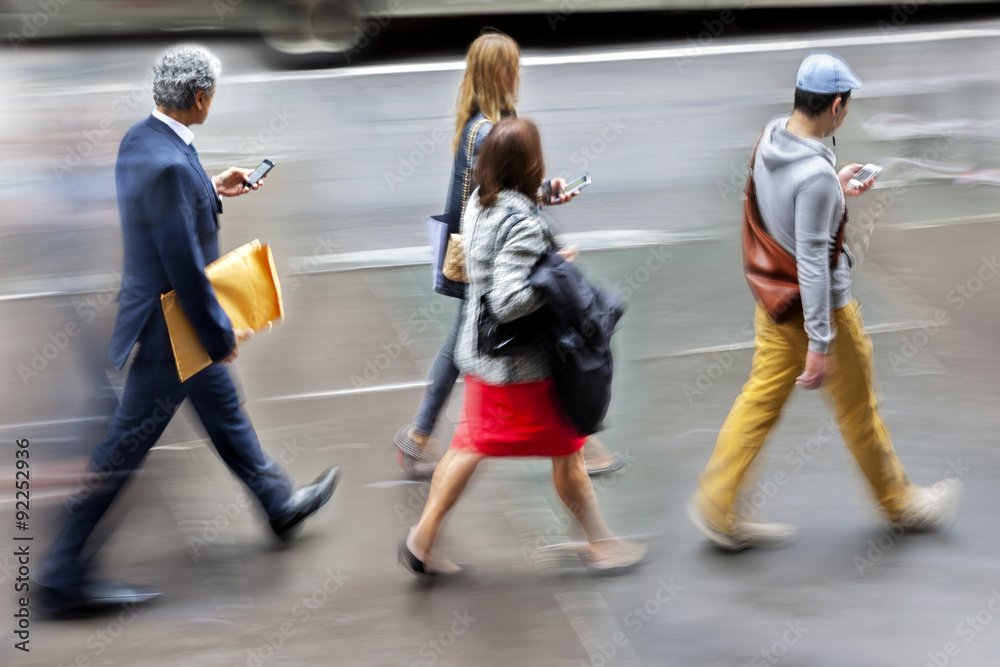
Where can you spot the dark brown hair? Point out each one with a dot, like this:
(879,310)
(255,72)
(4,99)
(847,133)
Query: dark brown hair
(510,159)
(814,104)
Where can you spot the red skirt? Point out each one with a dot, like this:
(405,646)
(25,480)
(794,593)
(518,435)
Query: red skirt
(515,420)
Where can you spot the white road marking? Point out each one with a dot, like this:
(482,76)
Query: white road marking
(625,55)
(350,445)
(336,393)
(743,345)
(943,222)
(27,426)
(389,485)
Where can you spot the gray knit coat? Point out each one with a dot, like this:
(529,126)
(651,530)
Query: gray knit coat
(502,274)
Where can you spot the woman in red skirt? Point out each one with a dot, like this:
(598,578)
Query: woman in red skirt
(511,408)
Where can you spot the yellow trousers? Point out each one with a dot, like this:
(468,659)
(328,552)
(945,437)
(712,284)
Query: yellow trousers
(779,357)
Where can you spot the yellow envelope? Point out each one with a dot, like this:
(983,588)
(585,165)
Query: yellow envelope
(246,285)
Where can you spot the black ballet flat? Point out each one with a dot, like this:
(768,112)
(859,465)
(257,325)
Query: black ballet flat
(414,565)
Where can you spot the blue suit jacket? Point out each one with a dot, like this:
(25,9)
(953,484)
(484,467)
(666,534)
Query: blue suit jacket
(169,213)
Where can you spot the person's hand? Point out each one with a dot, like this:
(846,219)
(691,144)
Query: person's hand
(846,174)
(242,336)
(812,377)
(230,182)
(557,184)
(571,253)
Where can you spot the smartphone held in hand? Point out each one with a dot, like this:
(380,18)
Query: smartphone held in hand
(578,184)
(258,173)
(865,174)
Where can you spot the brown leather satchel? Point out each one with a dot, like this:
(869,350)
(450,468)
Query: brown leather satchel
(771,270)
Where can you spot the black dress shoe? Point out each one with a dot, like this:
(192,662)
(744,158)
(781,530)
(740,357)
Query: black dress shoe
(304,502)
(92,598)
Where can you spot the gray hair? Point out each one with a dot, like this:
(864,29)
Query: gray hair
(182,71)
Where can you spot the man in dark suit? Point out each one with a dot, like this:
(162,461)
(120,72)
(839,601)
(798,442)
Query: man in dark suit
(169,212)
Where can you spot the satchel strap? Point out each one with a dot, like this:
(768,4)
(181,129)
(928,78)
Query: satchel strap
(751,195)
(470,149)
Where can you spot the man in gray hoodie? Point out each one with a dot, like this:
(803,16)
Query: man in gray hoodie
(801,199)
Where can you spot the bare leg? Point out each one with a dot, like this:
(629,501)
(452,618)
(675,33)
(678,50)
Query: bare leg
(452,474)
(596,454)
(606,552)
(577,493)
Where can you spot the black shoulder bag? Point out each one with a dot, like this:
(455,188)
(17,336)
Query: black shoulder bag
(520,337)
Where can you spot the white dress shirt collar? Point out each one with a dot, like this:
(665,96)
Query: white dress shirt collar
(182,130)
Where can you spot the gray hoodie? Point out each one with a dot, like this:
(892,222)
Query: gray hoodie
(801,204)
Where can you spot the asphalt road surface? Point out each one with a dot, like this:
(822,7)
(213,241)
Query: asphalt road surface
(664,124)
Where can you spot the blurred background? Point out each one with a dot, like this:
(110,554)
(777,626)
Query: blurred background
(660,101)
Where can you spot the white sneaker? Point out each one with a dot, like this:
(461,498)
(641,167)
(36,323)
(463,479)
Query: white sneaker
(933,507)
(744,534)
(765,534)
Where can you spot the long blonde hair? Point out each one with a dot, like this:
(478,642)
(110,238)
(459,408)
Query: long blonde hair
(490,81)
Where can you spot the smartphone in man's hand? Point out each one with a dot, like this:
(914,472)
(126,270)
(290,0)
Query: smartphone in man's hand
(258,173)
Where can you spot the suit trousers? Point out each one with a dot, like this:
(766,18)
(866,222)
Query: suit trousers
(779,358)
(152,395)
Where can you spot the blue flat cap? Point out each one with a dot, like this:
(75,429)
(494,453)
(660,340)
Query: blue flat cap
(826,73)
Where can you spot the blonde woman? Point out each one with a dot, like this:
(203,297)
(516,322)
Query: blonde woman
(487,95)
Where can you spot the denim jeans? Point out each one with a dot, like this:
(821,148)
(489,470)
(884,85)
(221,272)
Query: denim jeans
(441,378)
